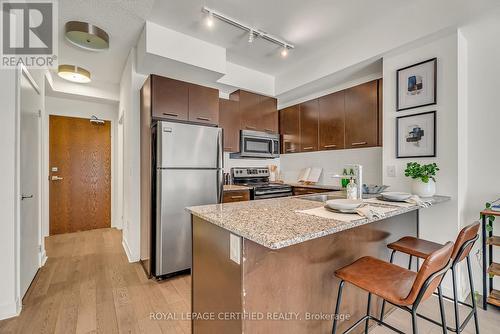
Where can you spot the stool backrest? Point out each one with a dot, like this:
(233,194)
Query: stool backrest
(466,234)
(436,262)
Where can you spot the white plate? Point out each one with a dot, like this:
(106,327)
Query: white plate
(344,204)
(395,196)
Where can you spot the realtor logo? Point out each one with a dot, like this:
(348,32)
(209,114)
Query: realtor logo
(29,33)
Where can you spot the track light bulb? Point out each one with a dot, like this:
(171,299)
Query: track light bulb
(210,20)
(284,51)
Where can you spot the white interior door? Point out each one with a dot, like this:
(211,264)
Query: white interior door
(29,185)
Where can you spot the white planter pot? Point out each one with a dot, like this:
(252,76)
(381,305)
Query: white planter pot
(423,189)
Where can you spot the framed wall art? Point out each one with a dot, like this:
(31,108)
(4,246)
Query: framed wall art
(417,85)
(416,135)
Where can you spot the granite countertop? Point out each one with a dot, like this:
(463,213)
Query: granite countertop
(275,223)
(234,187)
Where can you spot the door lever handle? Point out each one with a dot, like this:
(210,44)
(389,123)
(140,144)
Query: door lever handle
(56,178)
(23,197)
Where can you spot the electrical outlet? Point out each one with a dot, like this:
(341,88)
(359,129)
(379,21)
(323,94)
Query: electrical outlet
(391,171)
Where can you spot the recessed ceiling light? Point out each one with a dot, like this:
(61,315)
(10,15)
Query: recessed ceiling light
(74,73)
(210,20)
(86,36)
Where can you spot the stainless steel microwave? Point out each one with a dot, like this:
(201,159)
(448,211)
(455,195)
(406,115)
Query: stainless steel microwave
(256,144)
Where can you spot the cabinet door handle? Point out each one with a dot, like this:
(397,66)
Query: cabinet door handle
(359,143)
(308,148)
(228,148)
(329,146)
(203,118)
(250,127)
(290,150)
(268,130)
(170,114)
(236,197)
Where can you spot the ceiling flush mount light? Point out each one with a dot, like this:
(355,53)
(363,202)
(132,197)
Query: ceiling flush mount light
(74,73)
(86,36)
(209,21)
(252,32)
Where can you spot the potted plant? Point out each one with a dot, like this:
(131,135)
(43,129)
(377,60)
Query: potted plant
(424,182)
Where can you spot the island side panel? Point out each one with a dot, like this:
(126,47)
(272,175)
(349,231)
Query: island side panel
(216,280)
(300,278)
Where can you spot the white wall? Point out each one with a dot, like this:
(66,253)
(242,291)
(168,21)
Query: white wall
(8,296)
(483,161)
(333,163)
(440,223)
(230,163)
(82,109)
(130,85)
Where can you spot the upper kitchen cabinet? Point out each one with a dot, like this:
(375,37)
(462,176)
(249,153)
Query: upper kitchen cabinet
(258,112)
(361,112)
(269,114)
(309,116)
(229,121)
(332,121)
(289,119)
(203,104)
(170,98)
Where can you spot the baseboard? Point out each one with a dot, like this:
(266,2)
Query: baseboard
(43,258)
(127,251)
(10,310)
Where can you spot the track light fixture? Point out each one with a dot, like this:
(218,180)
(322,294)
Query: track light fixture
(252,32)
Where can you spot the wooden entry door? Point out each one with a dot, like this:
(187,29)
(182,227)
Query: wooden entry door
(79,174)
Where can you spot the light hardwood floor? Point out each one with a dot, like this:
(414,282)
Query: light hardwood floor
(88,286)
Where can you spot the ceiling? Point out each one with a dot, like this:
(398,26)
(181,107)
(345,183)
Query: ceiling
(309,25)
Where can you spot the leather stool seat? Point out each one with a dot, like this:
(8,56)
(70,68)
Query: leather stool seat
(382,278)
(414,246)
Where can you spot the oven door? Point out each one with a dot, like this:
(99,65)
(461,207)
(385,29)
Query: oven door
(257,147)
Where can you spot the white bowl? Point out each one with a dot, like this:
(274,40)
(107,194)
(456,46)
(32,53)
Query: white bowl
(395,196)
(344,204)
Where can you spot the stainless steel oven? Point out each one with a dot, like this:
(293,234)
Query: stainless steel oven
(256,144)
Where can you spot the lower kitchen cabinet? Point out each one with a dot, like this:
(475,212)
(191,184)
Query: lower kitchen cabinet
(297,191)
(236,196)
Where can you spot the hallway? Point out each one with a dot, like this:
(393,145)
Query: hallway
(88,286)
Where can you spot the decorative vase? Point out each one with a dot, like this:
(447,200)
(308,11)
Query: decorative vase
(423,189)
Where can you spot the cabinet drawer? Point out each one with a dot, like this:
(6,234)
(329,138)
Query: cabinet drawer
(297,191)
(236,196)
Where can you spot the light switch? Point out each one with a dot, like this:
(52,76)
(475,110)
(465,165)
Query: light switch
(391,171)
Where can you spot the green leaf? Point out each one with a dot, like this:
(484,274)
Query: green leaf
(488,205)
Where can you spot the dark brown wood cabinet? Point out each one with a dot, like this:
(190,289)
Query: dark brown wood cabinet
(380,95)
(297,191)
(332,121)
(289,119)
(309,116)
(258,112)
(361,113)
(203,104)
(235,196)
(169,98)
(229,121)
(268,121)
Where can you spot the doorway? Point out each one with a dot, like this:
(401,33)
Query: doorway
(29,179)
(79,174)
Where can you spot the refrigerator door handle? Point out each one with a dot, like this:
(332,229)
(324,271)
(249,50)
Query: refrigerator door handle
(220,151)
(220,185)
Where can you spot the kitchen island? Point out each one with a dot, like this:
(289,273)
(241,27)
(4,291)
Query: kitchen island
(267,267)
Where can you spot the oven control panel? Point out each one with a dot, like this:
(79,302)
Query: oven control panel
(246,172)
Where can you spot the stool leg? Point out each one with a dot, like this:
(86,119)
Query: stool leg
(414,321)
(337,306)
(383,301)
(441,309)
(368,311)
(409,262)
(473,294)
(455,300)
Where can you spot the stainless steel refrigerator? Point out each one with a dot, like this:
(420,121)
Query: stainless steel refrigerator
(189,172)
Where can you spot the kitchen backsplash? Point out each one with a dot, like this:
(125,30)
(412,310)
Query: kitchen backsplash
(333,162)
(229,163)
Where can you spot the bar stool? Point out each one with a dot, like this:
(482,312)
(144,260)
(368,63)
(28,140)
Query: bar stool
(422,248)
(399,286)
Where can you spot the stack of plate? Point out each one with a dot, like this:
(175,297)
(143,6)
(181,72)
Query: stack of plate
(394,196)
(343,205)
